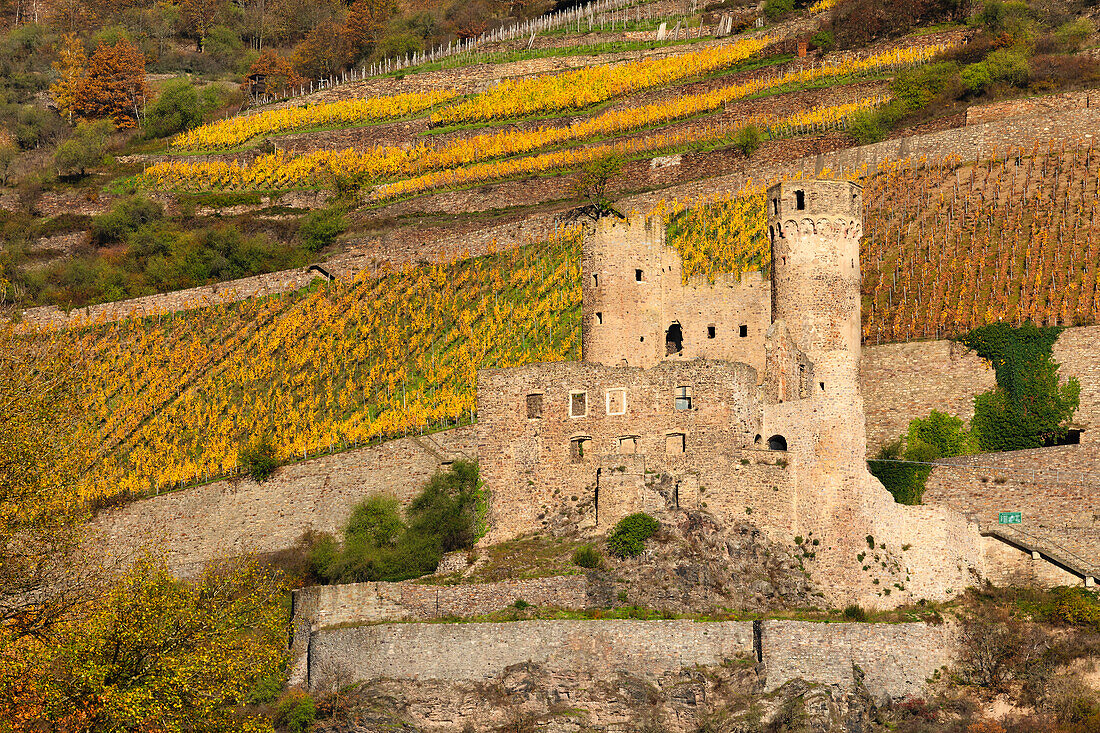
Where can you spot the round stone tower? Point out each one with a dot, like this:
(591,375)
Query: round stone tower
(815,227)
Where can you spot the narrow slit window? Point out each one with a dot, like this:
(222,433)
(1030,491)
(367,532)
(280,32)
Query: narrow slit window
(743,331)
(595,280)
(682,400)
(578,404)
(599,318)
(534,406)
(637,276)
(710,332)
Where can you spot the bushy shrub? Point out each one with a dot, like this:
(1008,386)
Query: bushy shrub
(775,9)
(175,110)
(629,536)
(855,613)
(917,87)
(748,140)
(866,127)
(86,147)
(266,689)
(320,228)
(823,39)
(587,556)
(258,459)
(296,711)
(1071,35)
(128,215)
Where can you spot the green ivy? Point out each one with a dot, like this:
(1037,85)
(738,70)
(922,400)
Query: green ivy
(1028,408)
(937,436)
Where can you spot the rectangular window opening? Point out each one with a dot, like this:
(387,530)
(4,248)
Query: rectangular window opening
(743,331)
(627,445)
(616,402)
(674,443)
(637,276)
(683,398)
(800,200)
(595,280)
(578,404)
(534,406)
(578,448)
(599,318)
(710,332)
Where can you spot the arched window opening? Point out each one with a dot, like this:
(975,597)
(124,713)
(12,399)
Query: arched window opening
(674,339)
(777,442)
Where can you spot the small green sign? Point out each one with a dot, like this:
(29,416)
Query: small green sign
(1010,518)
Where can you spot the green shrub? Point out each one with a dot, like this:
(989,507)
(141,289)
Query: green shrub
(520,604)
(1071,35)
(866,127)
(128,215)
(944,434)
(748,140)
(629,536)
(296,711)
(320,228)
(976,78)
(1008,66)
(176,109)
(266,689)
(823,39)
(258,459)
(86,148)
(855,613)
(587,556)
(916,88)
(775,9)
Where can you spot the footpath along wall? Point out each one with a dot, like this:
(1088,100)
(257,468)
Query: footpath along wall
(895,660)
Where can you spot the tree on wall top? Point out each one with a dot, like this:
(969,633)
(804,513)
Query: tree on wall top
(591,185)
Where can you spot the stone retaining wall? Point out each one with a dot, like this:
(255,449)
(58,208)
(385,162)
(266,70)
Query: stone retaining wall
(894,660)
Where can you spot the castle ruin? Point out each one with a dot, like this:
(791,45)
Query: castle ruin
(739,397)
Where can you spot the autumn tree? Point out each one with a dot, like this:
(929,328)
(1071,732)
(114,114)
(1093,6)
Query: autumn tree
(365,25)
(279,71)
(72,68)
(592,182)
(114,85)
(323,52)
(199,15)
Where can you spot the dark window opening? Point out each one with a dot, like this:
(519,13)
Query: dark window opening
(710,332)
(743,331)
(682,400)
(822,385)
(777,442)
(595,281)
(674,339)
(599,317)
(800,200)
(534,406)
(775,206)
(578,447)
(637,276)
(1072,437)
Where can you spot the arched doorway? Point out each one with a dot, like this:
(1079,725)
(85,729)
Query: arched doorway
(674,340)
(777,442)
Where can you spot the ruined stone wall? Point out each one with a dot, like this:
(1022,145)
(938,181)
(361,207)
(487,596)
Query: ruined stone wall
(896,659)
(1077,351)
(905,381)
(1006,564)
(633,291)
(226,518)
(1031,106)
(588,420)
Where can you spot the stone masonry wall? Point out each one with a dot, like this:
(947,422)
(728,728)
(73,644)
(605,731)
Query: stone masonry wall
(226,518)
(328,606)
(1077,352)
(979,114)
(1056,489)
(906,381)
(895,658)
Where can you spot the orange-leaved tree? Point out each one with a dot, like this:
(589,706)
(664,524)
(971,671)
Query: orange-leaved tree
(114,85)
(365,25)
(279,71)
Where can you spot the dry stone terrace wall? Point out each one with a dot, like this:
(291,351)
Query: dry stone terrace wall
(1077,352)
(896,659)
(226,518)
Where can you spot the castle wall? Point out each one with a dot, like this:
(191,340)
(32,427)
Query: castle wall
(896,659)
(633,290)
(1006,564)
(233,517)
(535,467)
(1056,489)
